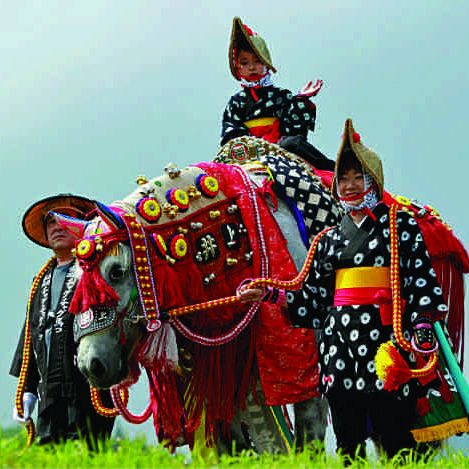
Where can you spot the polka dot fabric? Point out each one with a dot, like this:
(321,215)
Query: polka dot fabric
(351,334)
(296,115)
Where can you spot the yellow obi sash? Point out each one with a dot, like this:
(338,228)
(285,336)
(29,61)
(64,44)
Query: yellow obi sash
(261,122)
(365,286)
(359,277)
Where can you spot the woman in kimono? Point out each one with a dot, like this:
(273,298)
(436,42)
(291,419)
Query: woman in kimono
(347,295)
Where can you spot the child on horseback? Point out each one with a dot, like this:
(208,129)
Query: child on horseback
(261,109)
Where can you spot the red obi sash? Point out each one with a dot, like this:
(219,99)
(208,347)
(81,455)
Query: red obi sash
(267,128)
(365,286)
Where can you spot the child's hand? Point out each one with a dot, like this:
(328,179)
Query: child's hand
(307,91)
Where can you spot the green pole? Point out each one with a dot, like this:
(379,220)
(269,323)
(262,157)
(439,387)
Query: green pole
(453,365)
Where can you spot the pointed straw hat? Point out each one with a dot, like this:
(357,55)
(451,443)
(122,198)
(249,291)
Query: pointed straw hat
(369,159)
(242,34)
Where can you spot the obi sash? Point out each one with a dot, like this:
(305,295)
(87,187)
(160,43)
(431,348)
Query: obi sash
(365,286)
(267,128)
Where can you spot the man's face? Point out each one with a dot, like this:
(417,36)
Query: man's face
(57,236)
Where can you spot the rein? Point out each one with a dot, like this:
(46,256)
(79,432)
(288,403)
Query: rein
(396,299)
(31,429)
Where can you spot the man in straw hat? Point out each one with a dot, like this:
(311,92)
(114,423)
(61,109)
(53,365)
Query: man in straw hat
(347,294)
(261,109)
(65,409)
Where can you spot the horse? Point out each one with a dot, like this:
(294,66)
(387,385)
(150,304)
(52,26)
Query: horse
(158,269)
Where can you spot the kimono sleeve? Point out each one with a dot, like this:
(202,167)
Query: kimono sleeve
(419,284)
(233,124)
(298,115)
(308,306)
(32,380)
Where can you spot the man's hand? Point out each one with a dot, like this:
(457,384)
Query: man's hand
(29,402)
(310,90)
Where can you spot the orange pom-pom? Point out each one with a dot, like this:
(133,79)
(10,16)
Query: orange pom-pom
(391,367)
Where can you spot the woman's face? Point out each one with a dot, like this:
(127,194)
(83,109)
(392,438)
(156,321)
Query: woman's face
(350,184)
(249,65)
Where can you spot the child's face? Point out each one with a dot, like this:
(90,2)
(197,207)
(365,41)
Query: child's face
(249,65)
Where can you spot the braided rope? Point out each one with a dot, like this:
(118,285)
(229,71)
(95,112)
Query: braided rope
(27,355)
(396,298)
(293,284)
(116,393)
(104,411)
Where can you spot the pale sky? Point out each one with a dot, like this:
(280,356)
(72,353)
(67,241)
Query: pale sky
(95,92)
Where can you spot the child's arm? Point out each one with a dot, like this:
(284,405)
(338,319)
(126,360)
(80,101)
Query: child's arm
(232,125)
(299,114)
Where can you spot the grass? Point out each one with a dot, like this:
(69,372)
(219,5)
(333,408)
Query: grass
(123,453)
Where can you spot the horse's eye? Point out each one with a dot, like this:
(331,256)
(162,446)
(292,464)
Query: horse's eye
(116,273)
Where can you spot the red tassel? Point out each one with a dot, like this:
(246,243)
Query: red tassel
(91,291)
(168,410)
(177,285)
(423,406)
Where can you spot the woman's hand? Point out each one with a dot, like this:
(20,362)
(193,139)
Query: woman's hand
(246,294)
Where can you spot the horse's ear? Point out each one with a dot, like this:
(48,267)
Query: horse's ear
(110,217)
(75,226)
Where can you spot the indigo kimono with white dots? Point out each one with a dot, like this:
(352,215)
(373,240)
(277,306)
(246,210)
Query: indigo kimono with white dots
(297,115)
(351,334)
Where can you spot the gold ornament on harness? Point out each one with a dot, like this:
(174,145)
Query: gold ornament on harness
(172,170)
(193,193)
(141,179)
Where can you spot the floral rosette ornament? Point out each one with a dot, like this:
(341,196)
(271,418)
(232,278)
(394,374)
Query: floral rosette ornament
(179,198)
(208,185)
(159,244)
(178,246)
(86,252)
(148,209)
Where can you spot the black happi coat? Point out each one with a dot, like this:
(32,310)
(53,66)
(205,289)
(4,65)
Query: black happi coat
(352,333)
(56,379)
(296,115)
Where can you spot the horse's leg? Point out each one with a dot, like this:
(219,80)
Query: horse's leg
(311,414)
(311,417)
(237,440)
(310,422)
(263,429)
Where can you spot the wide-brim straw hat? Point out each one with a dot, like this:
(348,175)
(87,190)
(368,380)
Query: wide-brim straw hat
(240,34)
(66,204)
(368,158)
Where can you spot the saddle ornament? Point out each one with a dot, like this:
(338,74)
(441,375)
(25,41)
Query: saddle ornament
(179,198)
(149,209)
(178,246)
(208,185)
(159,244)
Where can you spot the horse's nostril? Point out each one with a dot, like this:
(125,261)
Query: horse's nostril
(97,368)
